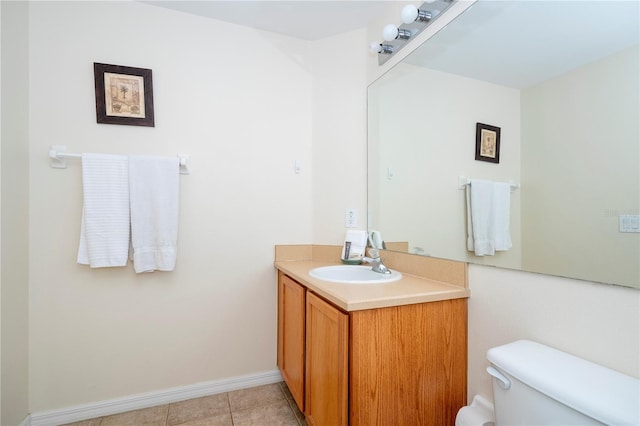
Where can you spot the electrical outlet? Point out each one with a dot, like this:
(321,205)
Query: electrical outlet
(351,218)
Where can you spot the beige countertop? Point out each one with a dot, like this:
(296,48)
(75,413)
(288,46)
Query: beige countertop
(354,297)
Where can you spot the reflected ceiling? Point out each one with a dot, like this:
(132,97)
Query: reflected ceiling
(560,41)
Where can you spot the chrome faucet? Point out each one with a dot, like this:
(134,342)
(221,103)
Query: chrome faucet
(376,262)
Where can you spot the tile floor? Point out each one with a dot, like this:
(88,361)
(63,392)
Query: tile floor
(267,405)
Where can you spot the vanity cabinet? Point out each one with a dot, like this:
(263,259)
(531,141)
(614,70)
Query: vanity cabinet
(401,365)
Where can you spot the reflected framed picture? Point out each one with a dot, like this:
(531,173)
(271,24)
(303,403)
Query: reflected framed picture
(487,143)
(124,95)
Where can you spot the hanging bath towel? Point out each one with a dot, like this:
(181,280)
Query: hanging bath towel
(153,187)
(104,235)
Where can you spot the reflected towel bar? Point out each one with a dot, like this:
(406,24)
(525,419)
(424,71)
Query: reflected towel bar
(58,156)
(464,181)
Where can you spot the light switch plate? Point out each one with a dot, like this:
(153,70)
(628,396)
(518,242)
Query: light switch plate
(629,222)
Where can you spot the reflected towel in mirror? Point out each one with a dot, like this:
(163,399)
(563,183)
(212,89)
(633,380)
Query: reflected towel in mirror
(488,210)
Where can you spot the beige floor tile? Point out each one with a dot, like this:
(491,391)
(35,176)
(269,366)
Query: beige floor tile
(90,422)
(274,414)
(153,416)
(296,411)
(198,408)
(219,420)
(285,390)
(292,403)
(254,397)
(263,405)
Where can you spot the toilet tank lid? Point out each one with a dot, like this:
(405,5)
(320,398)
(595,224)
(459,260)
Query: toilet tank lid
(598,392)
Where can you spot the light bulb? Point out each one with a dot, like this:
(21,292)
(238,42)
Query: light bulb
(385,49)
(409,14)
(390,32)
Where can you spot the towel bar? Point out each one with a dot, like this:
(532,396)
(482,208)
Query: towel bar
(58,156)
(464,181)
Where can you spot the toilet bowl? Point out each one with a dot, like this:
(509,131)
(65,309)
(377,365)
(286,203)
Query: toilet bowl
(534,384)
(479,413)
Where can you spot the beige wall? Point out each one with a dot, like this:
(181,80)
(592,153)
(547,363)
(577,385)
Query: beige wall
(15,212)
(1,220)
(239,101)
(339,136)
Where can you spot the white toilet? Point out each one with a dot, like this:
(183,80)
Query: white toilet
(537,385)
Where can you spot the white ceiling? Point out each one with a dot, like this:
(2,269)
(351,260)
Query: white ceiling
(305,19)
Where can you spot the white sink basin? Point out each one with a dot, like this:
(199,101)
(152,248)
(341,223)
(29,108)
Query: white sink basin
(353,274)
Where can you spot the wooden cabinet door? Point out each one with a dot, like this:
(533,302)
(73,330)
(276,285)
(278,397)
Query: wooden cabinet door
(291,335)
(409,364)
(327,381)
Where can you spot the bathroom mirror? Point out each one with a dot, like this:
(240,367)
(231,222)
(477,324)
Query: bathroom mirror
(561,81)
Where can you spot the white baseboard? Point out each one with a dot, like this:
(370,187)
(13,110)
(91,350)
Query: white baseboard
(149,399)
(26,421)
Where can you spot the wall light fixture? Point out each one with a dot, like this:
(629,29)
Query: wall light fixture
(391,32)
(385,49)
(414,21)
(410,14)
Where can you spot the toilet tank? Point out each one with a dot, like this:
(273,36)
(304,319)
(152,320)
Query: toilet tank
(534,384)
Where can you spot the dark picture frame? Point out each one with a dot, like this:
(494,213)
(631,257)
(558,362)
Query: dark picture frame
(124,95)
(487,143)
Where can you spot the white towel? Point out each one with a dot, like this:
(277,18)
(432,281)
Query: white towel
(153,187)
(358,239)
(488,210)
(104,235)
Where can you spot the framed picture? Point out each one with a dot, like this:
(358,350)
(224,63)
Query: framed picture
(124,95)
(487,143)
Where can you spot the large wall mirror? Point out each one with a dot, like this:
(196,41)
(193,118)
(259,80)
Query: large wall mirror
(561,81)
